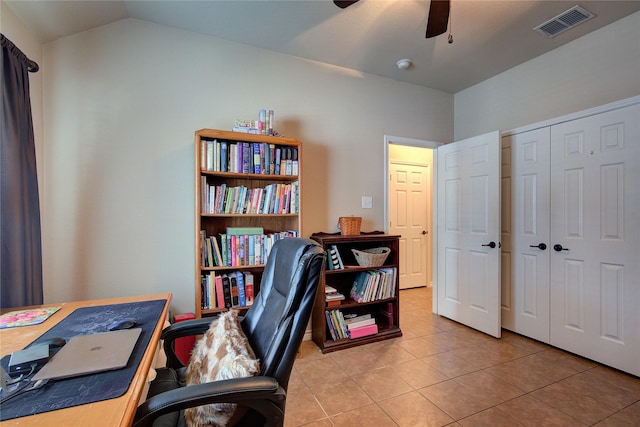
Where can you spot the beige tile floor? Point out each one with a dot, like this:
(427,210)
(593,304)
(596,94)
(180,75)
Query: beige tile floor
(440,373)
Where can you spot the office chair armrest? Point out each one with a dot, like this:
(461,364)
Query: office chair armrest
(262,394)
(177,330)
(181,329)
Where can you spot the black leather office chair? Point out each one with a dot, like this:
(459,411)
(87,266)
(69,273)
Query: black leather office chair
(274,325)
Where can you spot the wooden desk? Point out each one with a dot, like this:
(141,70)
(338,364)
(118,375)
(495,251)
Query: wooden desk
(113,412)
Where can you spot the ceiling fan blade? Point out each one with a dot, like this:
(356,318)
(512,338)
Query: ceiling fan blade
(438,17)
(344,4)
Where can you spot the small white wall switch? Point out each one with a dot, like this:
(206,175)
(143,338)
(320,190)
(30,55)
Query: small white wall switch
(367,202)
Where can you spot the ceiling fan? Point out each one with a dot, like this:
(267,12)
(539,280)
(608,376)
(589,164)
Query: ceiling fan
(436,23)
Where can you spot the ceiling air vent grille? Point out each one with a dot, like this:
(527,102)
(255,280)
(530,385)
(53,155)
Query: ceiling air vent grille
(561,23)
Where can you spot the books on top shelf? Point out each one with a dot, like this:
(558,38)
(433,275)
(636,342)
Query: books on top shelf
(231,250)
(372,285)
(234,289)
(276,198)
(343,326)
(248,157)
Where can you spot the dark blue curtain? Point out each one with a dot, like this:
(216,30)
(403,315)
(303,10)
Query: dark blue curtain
(20,245)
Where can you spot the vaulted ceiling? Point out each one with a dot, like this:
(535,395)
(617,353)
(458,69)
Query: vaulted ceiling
(370,36)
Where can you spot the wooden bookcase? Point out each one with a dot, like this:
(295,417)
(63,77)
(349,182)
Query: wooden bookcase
(215,224)
(385,311)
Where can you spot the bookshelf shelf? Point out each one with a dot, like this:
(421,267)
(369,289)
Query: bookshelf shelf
(247,215)
(223,160)
(235,267)
(385,311)
(231,175)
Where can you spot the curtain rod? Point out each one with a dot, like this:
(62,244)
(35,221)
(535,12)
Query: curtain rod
(32,66)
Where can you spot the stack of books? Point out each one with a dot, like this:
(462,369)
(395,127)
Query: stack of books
(361,326)
(350,326)
(248,126)
(332,296)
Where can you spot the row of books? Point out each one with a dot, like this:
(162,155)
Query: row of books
(235,289)
(235,249)
(276,198)
(334,260)
(248,157)
(349,326)
(374,285)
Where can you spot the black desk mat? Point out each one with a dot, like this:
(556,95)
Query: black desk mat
(89,388)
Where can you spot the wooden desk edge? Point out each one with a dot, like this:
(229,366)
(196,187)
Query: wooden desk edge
(140,378)
(133,393)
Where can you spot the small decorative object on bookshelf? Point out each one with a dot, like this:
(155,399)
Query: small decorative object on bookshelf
(370,309)
(349,225)
(262,126)
(374,257)
(247,198)
(332,296)
(334,260)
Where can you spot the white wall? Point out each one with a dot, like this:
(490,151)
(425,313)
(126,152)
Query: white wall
(122,103)
(601,67)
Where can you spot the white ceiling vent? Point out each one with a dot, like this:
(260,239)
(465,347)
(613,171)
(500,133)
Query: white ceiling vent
(561,23)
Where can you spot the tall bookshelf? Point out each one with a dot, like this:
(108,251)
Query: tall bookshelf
(385,309)
(230,164)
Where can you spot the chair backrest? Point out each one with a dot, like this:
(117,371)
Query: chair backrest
(276,322)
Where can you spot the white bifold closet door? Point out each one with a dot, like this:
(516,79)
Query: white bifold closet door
(595,237)
(468,227)
(525,305)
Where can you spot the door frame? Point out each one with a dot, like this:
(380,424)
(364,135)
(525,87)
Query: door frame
(413,142)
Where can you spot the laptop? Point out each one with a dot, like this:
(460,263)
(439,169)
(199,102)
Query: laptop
(89,354)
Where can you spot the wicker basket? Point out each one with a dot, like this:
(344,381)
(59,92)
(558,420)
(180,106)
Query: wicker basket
(374,257)
(349,225)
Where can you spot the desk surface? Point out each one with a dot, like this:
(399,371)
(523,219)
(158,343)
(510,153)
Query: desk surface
(113,412)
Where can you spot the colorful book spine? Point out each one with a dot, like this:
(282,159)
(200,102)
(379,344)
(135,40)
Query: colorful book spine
(248,287)
(242,299)
(219,292)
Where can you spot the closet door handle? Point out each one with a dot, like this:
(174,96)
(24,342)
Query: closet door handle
(540,246)
(559,248)
(491,245)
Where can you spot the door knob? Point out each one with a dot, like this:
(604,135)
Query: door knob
(491,245)
(424,231)
(559,248)
(540,246)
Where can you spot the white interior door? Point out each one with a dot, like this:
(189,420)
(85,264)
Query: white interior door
(408,194)
(525,307)
(468,240)
(595,270)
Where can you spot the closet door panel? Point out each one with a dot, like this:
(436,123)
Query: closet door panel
(595,237)
(527,309)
